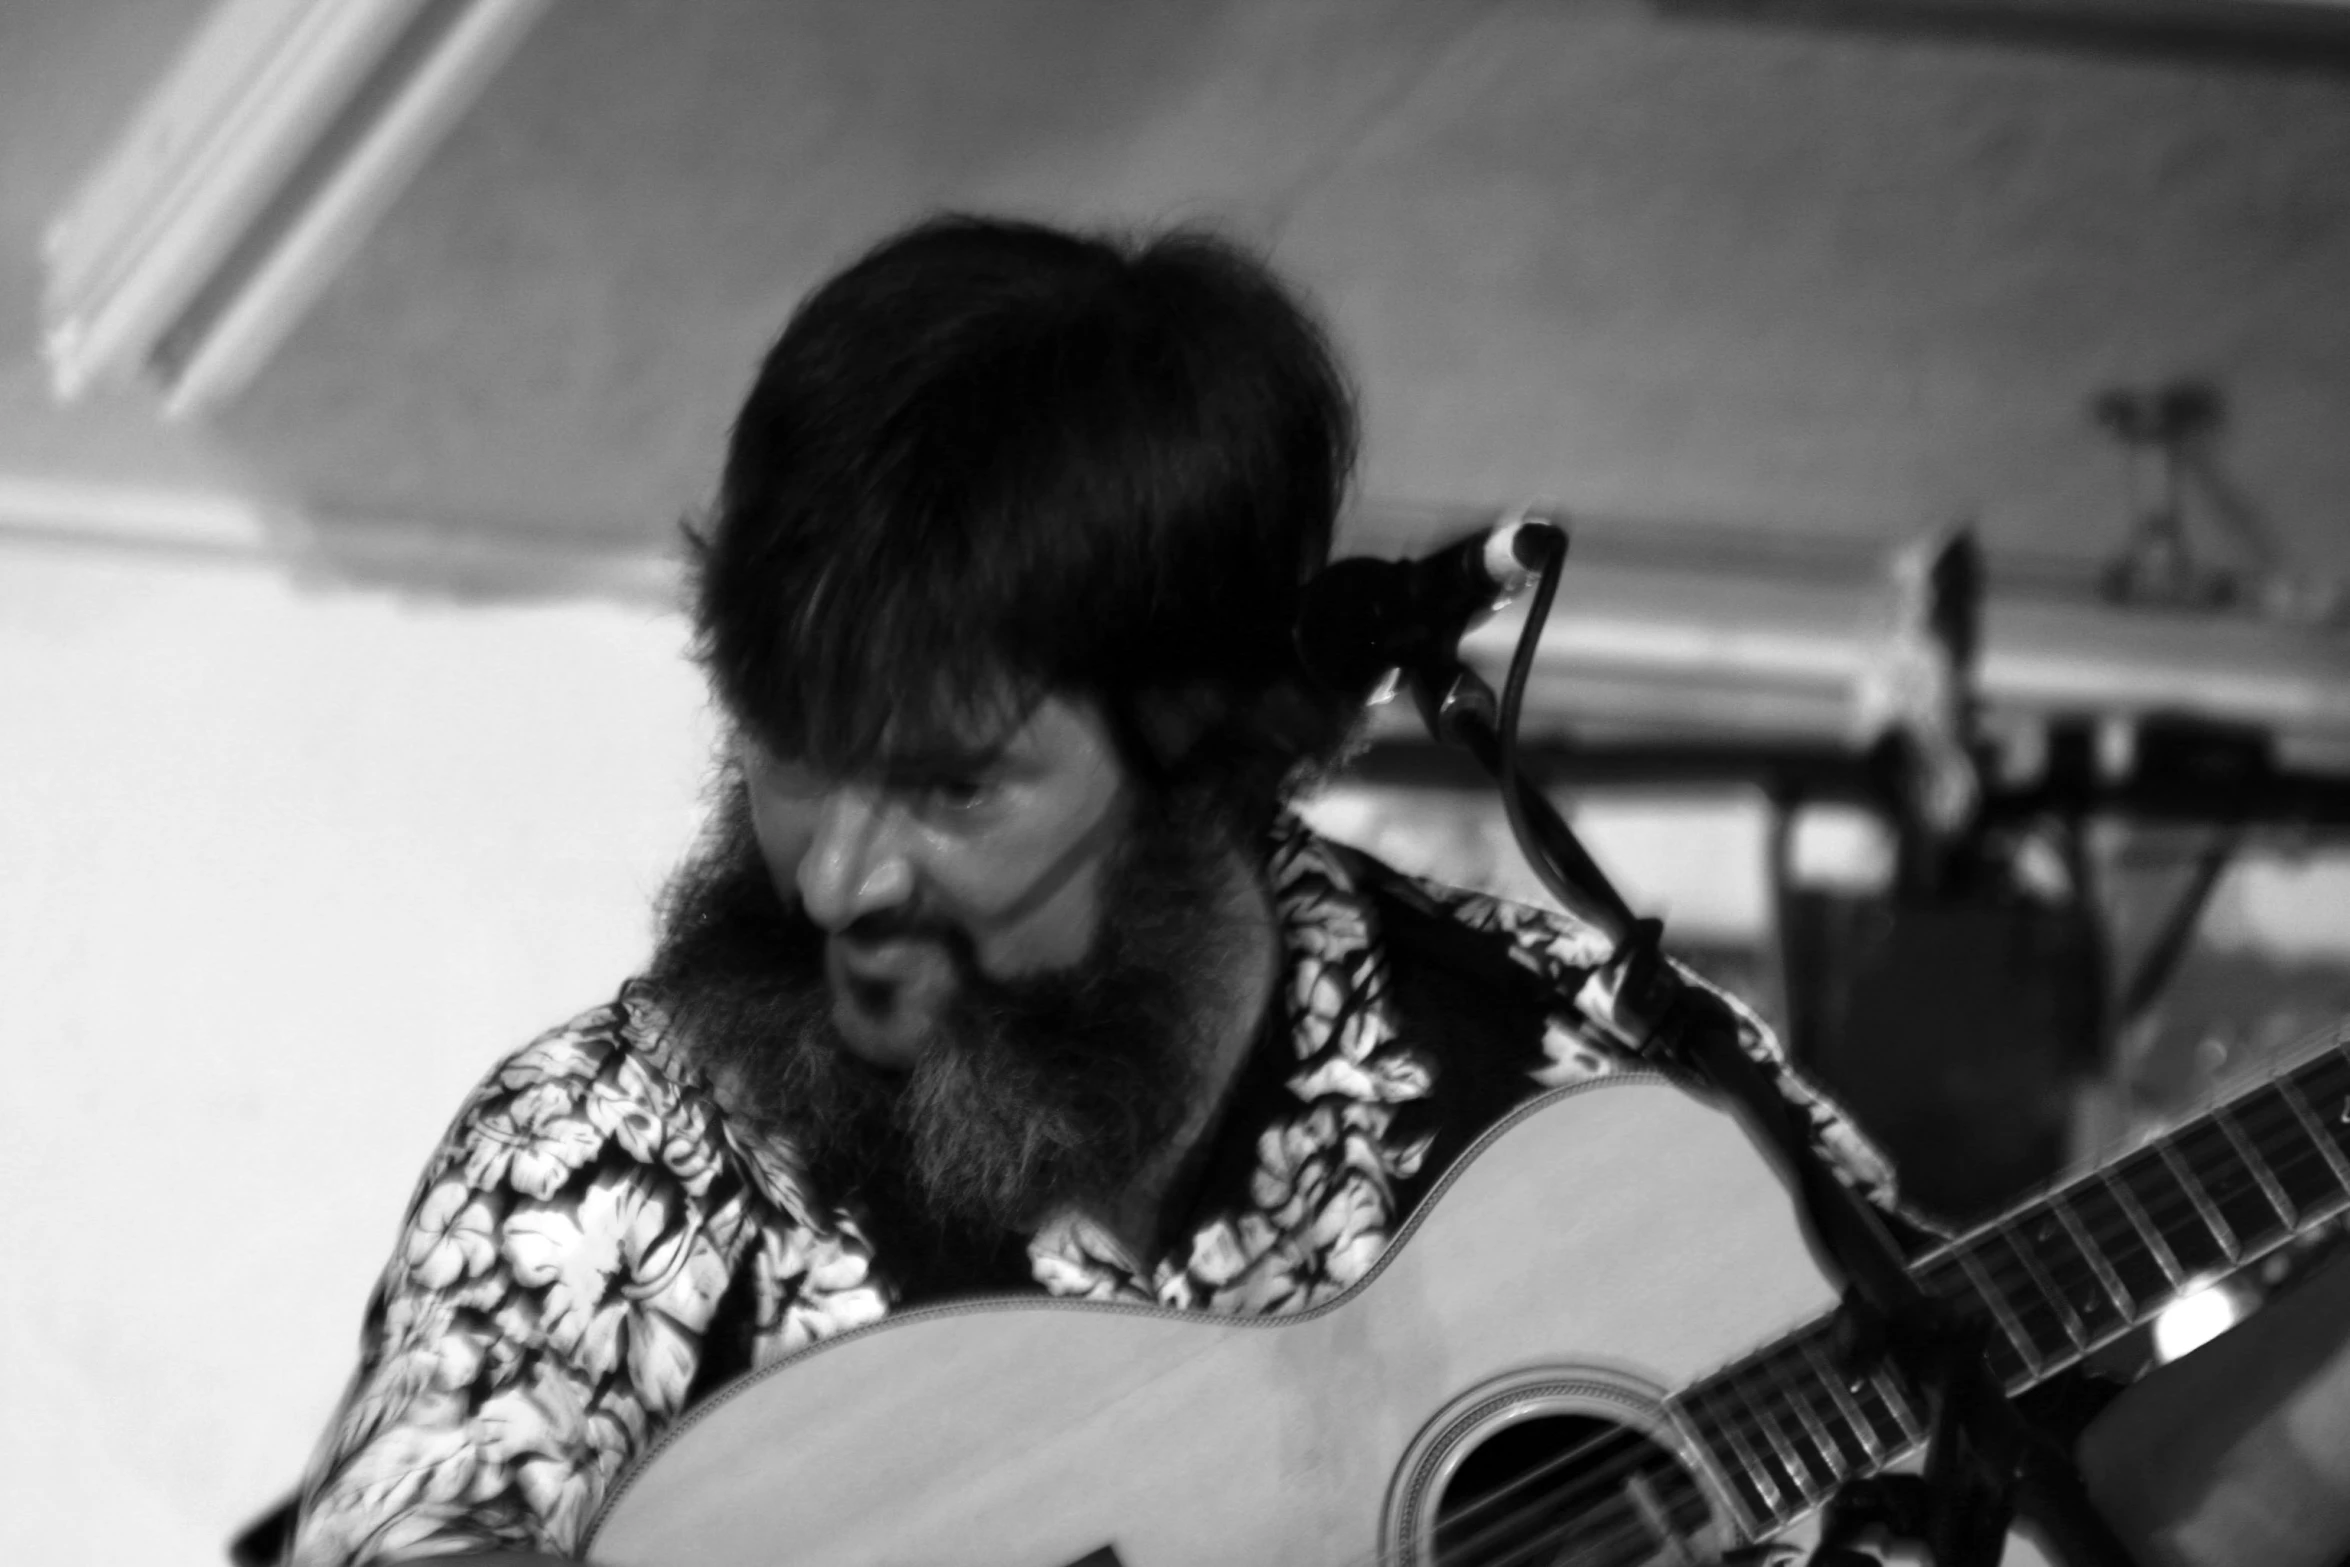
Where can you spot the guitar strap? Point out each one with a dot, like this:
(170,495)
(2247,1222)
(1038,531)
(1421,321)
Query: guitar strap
(1472,1010)
(1987,1460)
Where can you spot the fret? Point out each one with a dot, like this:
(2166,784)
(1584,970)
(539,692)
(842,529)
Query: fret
(1885,1421)
(2272,1190)
(2324,1084)
(1888,1388)
(2145,1267)
(1785,1470)
(2325,1077)
(2107,1279)
(1854,1423)
(2298,1103)
(1946,1275)
(2027,1250)
(2002,1312)
(2183,1239)
(1719,1469)
(1837,1459)
(2277,1140)
(2156,1238)
(2252,1217)
(1748,1483)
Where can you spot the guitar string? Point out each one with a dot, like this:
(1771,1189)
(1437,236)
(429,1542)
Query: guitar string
(1588,1490)
(1738,1422)
(1770,1442)
(2011,1279)
(1768,1433)
(1784,1446)
(1602,1478)
(2009,1276)
(1751,1427)
(1772,1364)
(2259,1109)
(1470,1548)
(1634,1534)
(1636,1531)
(2076,1277)
(2032,1304)
(2172,1212)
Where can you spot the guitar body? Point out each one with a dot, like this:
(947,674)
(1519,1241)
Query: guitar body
(1597,1250)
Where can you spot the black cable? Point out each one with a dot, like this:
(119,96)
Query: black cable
(1553,546)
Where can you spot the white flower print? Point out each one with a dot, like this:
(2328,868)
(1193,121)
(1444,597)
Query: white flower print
(572,1251)
(408,1471)
(688,1150)
(1570,1054)
(543,1417)
(453,1235)
(836,1293)
(573,1054)
(556,1147)
(624,1119)
(662,1354)
(561,1494)
(595,1207)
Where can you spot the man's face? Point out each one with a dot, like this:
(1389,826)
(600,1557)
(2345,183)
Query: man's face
(989,850)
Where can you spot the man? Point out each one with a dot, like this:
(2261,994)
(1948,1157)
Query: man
(1003,965)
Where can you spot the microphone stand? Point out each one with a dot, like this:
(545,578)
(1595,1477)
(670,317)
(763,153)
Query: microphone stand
(1961,1508)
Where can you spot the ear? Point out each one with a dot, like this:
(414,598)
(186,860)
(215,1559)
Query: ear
(1169,721)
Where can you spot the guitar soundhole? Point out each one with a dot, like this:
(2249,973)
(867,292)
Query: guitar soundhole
(1565,1488)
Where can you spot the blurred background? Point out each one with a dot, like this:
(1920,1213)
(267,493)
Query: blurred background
(1950,403)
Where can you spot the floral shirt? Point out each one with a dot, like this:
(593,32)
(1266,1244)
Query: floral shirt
(596,1242)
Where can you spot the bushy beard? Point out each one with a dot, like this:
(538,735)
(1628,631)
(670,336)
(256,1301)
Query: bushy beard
(1033,1094)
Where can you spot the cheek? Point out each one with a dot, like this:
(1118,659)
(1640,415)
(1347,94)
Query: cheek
(783,834)
(1060,930)
(1041,906)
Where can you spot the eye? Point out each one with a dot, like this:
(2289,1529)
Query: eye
(952,794)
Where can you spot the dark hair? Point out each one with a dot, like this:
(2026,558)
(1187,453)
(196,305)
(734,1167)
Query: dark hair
(991,460)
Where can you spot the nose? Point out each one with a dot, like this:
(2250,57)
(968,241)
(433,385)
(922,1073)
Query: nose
(856,863)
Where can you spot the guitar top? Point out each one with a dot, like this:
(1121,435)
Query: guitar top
(1554,1361)
(1045,1433)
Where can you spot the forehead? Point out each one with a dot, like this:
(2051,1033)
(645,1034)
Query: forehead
(1038,733)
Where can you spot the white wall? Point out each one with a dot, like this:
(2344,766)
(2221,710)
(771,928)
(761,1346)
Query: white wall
(282,869)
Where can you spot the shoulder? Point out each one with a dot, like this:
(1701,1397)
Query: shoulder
(603,1086)
(610,1100)
(552,1292)
(1565,956)
(1483,981)
(1551,946)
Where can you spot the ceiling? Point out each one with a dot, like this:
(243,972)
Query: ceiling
(1643,261)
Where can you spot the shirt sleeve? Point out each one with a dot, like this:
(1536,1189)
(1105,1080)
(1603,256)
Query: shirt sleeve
(542,1315)
(1569,954)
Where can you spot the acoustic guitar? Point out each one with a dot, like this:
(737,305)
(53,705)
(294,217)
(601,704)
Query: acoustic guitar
(1554,1362)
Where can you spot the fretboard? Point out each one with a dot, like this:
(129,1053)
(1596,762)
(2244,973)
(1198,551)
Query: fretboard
(2056,1278)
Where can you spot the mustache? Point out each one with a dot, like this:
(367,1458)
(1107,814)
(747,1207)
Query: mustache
(911,923)
(1046,1088)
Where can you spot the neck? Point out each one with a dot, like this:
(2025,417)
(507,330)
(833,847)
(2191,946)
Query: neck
(1143,1217)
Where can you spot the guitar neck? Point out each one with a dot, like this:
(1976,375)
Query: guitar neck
(2057,1277)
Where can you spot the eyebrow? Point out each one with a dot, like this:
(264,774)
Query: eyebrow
(948,755)
(943,750)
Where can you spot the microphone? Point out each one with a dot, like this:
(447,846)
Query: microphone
(1358,618)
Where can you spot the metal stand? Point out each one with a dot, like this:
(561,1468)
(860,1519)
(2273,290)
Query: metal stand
(1960,1510)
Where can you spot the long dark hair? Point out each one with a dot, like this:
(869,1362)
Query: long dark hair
(992,459)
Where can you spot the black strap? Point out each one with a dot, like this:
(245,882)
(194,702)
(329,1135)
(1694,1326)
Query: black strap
(1470,1009)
